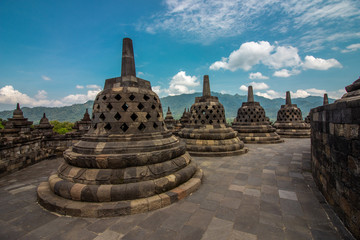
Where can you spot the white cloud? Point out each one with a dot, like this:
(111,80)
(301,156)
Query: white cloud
(93,86)
(243,88)
(257,75)
(180,83)
(209,20)
(284,56)
(299,94)
(351,48)
(286,73)
(46,78)
(248,55)
(9,95)
(320,64)
(270,94)
(255,85)
(42,94)
(79,87)
(140,74)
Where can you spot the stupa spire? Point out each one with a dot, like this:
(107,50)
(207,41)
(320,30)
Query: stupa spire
(128,61)
(326,100)
(206,86)
(250,94)
(288,98)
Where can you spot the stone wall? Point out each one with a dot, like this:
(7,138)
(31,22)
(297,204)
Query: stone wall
(25,150)
(335,148)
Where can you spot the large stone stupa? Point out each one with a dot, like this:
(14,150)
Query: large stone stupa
(252,124)
(128,162)
(289,121)
(207,133)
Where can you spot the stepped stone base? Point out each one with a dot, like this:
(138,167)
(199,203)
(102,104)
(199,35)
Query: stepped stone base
(52,202)
(219,154)
(293,130)
(260,138)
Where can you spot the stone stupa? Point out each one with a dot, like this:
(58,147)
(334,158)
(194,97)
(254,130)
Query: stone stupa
(207,133)
(128,162)
(289,121)
(44,126)
(84,124)
(185,118)
(16,125)
(169,120)
(252,124)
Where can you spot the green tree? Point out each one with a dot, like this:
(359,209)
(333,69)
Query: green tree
(62,127)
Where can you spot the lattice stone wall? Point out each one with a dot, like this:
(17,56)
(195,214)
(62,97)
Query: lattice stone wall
(289,114)
(202,114)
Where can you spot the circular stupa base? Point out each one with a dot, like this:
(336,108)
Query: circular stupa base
(219,154)
(294,133)
(54,203)
(260,140)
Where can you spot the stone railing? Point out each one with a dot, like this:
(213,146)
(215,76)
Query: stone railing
(335,148)
(25,150)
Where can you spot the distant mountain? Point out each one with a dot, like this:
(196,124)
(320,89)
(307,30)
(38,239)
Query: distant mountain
(177,104)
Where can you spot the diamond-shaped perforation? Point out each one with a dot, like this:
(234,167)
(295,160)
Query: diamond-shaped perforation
(158,115)
(93,116)
(210,121)
(95,126)
(153,106)
(118,97)
(140,106)
(102,117)
(125,107)
(155,99)
(133,116)
(202,121)
(124,127)
(207,116)
(107,126)
(117,116)
(141,127)
(146,97)
(155,126)
(109,106)
(104,98)
(206,107)
(148,116)
(98,106)
(132,97)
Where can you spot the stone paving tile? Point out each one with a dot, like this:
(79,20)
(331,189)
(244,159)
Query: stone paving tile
(264,194)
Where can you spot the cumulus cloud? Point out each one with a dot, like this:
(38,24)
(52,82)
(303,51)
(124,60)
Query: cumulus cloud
(180,83)
(46,78)
(248,55)
(284,73)
(320,64)
(79,86)
(351,48)
(9,95)
(270,94)
(257,75)
(255,85)
(299,94)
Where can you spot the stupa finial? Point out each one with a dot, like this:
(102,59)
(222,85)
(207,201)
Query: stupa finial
(326,99)
(288,98)
(44,116)
(128,61)
(17,106)
(250,94)
(206,86)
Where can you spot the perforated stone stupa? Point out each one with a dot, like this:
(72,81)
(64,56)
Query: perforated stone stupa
(252,124)
(207,133)
(289,121)
(169,120)
(128,162)
(84,124)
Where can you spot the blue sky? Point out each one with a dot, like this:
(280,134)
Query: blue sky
(56,53)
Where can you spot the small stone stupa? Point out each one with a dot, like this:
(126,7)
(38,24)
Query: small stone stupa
(128,162)
(185,118)
(169,120)
(17,124)
(352,92)
(289,121)
(44,126)
(84,124)
(207,134)
(252,124)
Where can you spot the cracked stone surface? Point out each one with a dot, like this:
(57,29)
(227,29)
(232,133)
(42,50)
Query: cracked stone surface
(268,193)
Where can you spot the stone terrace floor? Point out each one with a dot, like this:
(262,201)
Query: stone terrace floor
(267,193)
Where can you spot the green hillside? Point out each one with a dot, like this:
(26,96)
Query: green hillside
(177,104)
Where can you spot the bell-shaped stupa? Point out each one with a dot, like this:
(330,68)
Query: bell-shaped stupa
(289,121)
(252,124)
(128,162)
(207,133)
(44,126)
(169,120)
(16,125)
